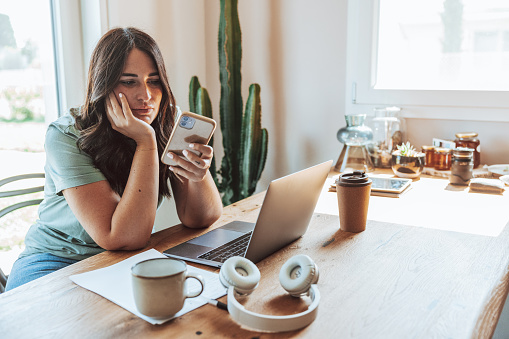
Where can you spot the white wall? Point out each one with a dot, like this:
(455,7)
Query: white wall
(178,28)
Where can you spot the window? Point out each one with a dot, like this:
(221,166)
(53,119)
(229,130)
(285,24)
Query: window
(27,62)
(28,102)
(437,58)
(42,75)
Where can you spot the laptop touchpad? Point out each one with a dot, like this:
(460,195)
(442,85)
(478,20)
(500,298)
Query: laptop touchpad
(216,238)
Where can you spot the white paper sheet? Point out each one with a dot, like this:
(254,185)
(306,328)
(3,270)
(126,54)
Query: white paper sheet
(114,283)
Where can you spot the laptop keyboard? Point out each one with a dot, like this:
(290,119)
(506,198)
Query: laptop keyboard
(235,247)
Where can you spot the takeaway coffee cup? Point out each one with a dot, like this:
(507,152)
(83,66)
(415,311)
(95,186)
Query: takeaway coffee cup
(159,286)
(353,190)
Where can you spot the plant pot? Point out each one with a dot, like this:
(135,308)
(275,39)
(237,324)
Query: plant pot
(407,167)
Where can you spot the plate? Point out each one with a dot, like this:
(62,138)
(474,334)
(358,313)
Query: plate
(499,169)
(505,179)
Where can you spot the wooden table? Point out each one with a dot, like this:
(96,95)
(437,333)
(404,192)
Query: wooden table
(390,281)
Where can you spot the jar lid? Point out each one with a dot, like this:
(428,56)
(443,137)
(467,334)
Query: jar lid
(463,152)
(466,135)
(442,150)
(357,178)
(428,148)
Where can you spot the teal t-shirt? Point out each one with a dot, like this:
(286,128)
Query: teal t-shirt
(57,231)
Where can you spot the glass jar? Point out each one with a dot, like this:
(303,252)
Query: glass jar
(462,166)
(429,152)
(388,132)
(469,140)
(355,135)
(442,158)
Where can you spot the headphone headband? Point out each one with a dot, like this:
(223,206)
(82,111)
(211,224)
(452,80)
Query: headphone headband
(273,323)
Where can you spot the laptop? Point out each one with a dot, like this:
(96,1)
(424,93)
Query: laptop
(284,217)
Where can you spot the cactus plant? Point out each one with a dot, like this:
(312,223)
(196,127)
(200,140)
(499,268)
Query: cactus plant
(254,142)
(245,143)
(199,102)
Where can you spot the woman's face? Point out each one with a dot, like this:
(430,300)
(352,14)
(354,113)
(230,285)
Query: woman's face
(141,86)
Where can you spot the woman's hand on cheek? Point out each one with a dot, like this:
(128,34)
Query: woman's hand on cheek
(195,167)
(122,120)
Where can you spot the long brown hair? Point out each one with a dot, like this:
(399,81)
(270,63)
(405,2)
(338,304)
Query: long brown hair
(111,151)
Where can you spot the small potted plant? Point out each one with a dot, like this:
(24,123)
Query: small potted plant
(407,162)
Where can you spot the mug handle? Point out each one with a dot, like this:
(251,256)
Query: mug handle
(200,280)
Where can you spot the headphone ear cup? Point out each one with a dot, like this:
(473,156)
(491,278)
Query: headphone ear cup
(298,274)
(240,273)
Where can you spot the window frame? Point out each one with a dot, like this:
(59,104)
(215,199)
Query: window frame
(69,60)
(362,98)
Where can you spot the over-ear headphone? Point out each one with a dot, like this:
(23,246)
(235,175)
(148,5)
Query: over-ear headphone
(298,276)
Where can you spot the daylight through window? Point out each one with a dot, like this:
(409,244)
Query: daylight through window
(443,45)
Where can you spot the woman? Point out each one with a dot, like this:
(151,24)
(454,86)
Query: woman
(104,180)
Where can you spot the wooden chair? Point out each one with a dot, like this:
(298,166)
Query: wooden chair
(13,207)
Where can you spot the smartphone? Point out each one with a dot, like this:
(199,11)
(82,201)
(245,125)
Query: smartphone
(190,128)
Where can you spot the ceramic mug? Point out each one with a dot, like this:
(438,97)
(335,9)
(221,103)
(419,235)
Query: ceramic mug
(159,286)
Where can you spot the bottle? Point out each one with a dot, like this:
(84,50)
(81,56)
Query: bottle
(462,166)
(469,140)
(442,158)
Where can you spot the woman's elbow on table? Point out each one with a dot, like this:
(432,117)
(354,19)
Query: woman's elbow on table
(125,240)
(195,221)
(122,245)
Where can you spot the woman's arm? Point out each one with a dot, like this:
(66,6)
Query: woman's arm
(122,223)
(196,196)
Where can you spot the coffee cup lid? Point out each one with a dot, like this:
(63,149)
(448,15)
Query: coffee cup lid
(356,178)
